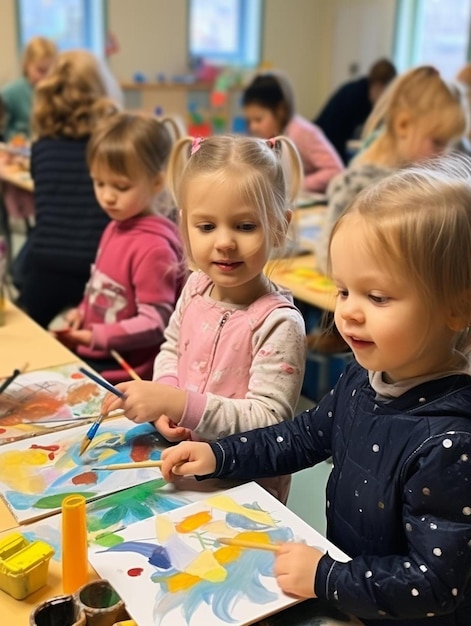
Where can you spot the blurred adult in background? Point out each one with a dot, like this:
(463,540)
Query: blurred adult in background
(17,96)
(269,109)
(344,114)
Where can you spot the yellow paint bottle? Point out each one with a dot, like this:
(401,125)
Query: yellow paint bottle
(23,565)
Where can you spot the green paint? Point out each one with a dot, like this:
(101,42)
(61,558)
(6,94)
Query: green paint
(109,540)
(55,501)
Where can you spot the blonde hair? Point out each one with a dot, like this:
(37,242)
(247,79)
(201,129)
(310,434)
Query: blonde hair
(73,97)
(133,145)
(419,223)
(424,95)
(267,174)
(37,49)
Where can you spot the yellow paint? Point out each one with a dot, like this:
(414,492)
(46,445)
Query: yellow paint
(192,522)
(255,537)
(18,470)
(207,568)
(181,582)
(163,528)
(224,503)
(227,554)
(23,565)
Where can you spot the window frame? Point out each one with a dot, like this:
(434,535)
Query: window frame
(245,48)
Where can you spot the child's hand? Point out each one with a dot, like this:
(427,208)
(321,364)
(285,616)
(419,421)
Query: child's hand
(145,401)
(295,569)
(171,431)
(73,319)
(188,459)
(74,338)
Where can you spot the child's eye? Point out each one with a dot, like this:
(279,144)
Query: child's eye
(205,228)
(247,227)
(342,293)
(123,187)
(378,299)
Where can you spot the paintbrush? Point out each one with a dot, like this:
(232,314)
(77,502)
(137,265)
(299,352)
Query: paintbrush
(96,424)
(245,543)
(16,372)
(125,365)
(123,466)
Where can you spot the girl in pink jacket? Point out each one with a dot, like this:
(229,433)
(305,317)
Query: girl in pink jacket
(270,110)
(234,351)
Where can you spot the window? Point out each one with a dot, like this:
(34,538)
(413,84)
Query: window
(433,32)
(225,32)
(70,23)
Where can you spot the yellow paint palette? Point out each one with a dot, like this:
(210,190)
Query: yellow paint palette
(23,565)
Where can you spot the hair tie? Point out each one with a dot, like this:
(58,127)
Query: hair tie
(271,143)
(196,145)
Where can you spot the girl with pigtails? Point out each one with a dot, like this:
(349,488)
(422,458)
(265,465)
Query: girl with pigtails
(234,350)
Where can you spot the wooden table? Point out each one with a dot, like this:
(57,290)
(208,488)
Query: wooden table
(22,340)
(299,276)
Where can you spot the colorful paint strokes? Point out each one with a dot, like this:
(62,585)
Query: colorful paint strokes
(35,400)
(36,474)
(173,570)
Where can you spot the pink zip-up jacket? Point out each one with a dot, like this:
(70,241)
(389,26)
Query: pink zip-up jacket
(243,367)
(318,156)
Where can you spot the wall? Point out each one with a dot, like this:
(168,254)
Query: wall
(313,41)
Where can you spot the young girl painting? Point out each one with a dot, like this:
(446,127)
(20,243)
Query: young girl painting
(138,272)
(234,353)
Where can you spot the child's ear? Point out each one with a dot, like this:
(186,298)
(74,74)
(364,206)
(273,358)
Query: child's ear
(456,319)
(158,183)
(402,123)
(281,234)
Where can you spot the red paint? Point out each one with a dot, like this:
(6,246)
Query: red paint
(87,478)
(3,430)
(50,449)
(135,571)
(77,376)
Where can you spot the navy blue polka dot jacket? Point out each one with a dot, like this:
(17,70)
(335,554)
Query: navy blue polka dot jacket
(398,498)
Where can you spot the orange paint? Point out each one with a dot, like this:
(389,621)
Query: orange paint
(192,522)
(256,537)
(87,478)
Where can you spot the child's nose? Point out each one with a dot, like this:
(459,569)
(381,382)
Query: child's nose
(225,240)
(350,309)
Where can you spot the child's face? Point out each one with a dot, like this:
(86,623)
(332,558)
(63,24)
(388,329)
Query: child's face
(37,70)
(227,240)
(416,141)
(122,198)
(381,314)
(262,122)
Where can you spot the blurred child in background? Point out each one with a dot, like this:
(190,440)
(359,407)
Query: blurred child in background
(138,272)
(17,96)
(269,109)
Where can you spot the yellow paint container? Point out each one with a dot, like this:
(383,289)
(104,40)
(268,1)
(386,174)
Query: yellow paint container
(23,565)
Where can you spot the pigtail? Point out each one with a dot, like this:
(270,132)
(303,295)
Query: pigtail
(177,163)
(175,127)
(287,153)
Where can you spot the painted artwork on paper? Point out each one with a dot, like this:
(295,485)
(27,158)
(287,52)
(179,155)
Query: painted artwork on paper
(173,570)
(109,515)
(36,474)
(34,401)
